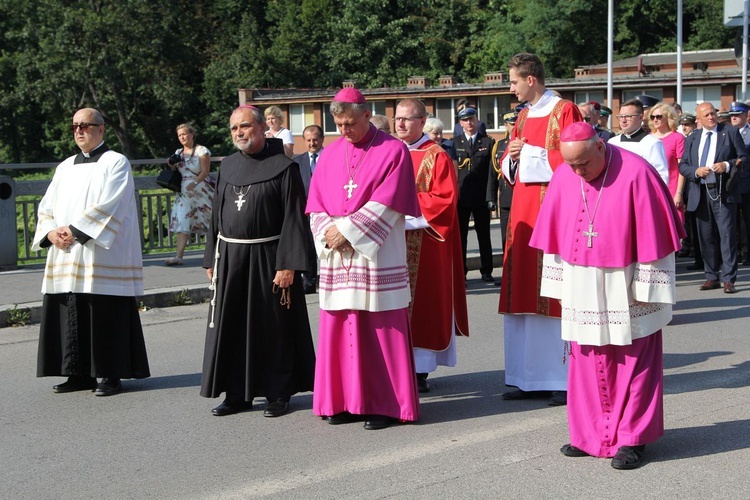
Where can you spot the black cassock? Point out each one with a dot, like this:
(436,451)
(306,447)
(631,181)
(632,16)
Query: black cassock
(256,346)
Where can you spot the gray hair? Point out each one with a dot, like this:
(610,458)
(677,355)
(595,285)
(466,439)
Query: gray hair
(339,108)
(433,123)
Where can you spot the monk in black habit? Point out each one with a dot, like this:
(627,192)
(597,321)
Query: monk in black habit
(258,340)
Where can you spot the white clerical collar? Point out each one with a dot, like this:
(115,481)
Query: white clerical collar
(418,142)
(543,101)
(544,105)
(86,155)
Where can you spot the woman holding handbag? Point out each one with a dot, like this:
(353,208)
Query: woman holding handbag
(191,212)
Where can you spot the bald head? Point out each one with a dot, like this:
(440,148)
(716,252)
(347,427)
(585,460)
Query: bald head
(586,157)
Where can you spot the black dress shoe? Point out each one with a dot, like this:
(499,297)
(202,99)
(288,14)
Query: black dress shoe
(276,408)
(628,457)
(75,383)
(559,398)
(108,387)
(519,394)
(340,418)
(231,407)
(487,278)
(377,422)
(422,384)
(683,253)
(571,451)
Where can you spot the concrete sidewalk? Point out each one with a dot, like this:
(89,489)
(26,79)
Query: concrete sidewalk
(165,286)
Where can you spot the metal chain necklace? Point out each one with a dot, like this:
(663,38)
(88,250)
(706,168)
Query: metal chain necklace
(590,233)
(350,186)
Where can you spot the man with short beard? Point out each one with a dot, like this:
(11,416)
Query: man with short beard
(258,340)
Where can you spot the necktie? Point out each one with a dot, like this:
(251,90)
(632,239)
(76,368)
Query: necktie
(706,147)
(313,161)
(471,143)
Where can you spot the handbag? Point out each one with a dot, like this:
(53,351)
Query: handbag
(170,179)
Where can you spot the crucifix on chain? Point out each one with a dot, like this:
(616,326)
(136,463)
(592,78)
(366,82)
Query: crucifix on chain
(590,234)
(239,202)
(350,187)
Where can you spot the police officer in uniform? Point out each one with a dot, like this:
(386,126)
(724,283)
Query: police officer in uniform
(474,154)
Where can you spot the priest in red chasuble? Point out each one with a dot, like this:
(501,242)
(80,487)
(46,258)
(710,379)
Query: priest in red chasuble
(434,255)
(534,350)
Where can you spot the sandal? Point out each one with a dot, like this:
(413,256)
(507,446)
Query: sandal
(174,261)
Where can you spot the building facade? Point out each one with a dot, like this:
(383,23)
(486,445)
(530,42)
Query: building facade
(707,75)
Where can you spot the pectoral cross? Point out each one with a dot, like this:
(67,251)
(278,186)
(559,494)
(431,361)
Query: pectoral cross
(350,187)
(239,202)
(590,234)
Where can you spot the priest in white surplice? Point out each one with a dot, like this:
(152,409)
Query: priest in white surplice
(89,222)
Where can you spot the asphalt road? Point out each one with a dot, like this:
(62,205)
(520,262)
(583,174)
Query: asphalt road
(159,440)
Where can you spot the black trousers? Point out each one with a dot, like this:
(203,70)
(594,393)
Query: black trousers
(743,221)
(717,233)
(482,227)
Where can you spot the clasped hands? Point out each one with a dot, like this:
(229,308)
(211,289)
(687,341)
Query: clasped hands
(62,237)
(336,240)
(717,168)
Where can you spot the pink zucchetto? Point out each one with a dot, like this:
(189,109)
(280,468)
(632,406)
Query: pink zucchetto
(578,131)
(351,95)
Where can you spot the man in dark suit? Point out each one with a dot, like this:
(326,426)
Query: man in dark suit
(313,136)
(474,153)
(707,164)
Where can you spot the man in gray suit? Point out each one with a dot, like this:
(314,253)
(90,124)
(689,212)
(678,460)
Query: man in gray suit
(709,165)
(313,136)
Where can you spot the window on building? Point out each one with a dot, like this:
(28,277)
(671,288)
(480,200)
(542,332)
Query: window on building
(444,110)
(297,122)
(597,96)
(377,107)
(329,126)
(692,96)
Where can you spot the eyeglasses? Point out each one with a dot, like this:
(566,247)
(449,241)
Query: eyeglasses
(657,117)
(627,117)
(84,126)
(404,119)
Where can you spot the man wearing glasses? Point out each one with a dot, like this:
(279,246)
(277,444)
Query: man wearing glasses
(88,221)
(637,140)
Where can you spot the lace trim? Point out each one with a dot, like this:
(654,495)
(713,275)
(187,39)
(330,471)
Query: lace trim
(653,276)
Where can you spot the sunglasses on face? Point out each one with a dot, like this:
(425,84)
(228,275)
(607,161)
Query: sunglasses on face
(84,126)
(657,117)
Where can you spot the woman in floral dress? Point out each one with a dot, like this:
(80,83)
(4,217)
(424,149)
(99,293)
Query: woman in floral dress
(191,212)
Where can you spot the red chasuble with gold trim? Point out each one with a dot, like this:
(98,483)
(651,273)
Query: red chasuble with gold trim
(434,254)
(522,264)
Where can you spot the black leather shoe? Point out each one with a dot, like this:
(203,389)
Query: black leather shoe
(487,278)
(422,384)
(75,383)
(108,387)
(628,457)
(276,408)
(559,398)
(377,422)
(340,418)
(231,407)
(519,394)
(571,451)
